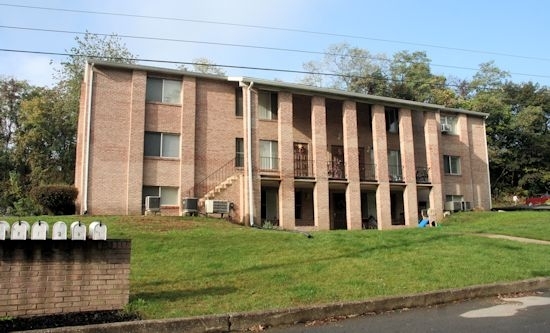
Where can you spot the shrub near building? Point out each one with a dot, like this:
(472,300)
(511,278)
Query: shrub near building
(56,199)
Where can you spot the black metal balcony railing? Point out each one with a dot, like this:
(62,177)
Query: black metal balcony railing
(303,168)
(269,163)
(336,170)
(367,172)
(422,175)
(395,173)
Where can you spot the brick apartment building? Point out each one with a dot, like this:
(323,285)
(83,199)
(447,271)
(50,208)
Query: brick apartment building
(293,155)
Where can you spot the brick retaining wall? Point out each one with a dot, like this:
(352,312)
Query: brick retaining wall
(62,276)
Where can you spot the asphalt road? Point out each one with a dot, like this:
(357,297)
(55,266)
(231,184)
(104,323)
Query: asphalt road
(524,313)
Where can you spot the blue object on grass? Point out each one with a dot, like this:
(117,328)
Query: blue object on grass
(423,223)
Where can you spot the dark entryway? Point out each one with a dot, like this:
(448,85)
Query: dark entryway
(339,219)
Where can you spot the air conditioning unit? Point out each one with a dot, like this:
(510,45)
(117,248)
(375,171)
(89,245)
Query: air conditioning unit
(453,206)
(190,206)
(152,203)
(445,128)
(216,206)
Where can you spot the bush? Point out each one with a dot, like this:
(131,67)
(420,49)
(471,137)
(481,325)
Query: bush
(56,199)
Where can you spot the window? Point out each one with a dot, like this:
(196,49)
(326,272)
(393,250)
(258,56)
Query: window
(267,105)
(168,195)
(161,144)
(394,165)
(448,124)
(163,91)
(239,152)
(269,155)
(392,120)
(451,164)
(238,102)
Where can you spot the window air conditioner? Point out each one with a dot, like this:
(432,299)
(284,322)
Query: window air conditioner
(453,206)
(216,206)
(445,128)
(152,203)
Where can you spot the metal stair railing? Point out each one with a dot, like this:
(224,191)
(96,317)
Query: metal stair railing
(217,177)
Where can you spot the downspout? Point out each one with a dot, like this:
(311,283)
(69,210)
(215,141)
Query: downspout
(86,161)
(488,169)
(249,150)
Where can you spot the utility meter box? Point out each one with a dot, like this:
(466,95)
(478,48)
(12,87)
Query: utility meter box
(39,230)
(59,231)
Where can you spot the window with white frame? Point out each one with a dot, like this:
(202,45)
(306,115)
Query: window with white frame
(267,105)
(392,120)
(269,159)
(163,91)
(161,144)
(169,195)
(451,165)
(448,124)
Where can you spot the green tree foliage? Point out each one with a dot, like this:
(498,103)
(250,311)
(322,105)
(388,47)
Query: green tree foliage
(38,125)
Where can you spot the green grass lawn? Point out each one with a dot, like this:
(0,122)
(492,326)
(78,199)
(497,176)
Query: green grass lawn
(194,266)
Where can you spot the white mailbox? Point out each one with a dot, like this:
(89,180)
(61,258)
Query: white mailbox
(20,230)
(39,230)
(78,231)
(4,230)
(97,231)
(59,230)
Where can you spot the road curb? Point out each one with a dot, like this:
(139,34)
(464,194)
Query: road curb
(272,318)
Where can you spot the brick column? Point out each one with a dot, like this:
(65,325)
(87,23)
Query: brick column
(380,146)
(134,180)
(406,139)
(479,164)
(256,183)
(351,156)
(463,130)
(433,157)
(187,149)
(286,156)
(319,150)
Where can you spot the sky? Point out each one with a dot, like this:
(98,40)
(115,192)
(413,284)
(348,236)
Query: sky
(457,36)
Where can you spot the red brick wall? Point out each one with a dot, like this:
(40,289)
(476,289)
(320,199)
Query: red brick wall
(58,276)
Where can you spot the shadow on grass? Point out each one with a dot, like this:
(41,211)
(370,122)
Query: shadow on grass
(173,295)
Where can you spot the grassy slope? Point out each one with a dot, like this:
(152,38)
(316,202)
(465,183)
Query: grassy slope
(194,266)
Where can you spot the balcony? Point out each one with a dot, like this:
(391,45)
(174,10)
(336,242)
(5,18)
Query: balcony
(422,175)
(367,172)
(336,169)
(395,173)
(303,168)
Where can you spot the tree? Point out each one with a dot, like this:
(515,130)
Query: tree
(349,68)
(205,66)
(12,93)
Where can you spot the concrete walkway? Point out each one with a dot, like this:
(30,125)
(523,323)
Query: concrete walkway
(517,239)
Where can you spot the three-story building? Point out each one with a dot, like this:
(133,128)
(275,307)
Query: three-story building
(288,154)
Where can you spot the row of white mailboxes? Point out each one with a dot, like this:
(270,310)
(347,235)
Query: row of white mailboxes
(22,230)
